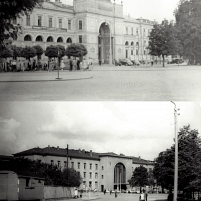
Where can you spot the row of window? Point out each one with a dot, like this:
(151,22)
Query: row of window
(78,165)
(90,184)
(90,175)
(137,31)
(136,53)
(132,43)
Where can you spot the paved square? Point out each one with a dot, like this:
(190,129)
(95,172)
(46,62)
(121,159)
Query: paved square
(105,83)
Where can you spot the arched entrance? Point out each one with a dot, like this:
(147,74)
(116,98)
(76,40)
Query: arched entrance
(105,44)
(120,176)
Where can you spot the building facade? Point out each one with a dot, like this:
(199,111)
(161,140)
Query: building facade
(98,24)
(98,170)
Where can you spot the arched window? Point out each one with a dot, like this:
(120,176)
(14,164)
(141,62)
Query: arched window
(59,40)
(50,39)
(39,38)
(27,38)
(132,43)
(69,40)
(126,43)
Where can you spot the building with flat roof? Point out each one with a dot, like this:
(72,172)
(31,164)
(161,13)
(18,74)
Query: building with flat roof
(98,170)
(98,24)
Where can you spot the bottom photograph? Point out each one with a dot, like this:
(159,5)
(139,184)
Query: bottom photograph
(100,150)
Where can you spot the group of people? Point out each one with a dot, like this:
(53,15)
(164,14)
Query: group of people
(27,65)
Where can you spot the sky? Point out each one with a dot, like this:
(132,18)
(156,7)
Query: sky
(132,128)
(148,9)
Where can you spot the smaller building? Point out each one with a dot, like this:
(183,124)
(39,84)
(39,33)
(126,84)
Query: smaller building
(20,186)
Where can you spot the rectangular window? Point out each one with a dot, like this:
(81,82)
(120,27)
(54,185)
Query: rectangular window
(84,175)
(96,184)
(102,176)
(65,164)
(96,175)
(50,22)
(60,23)
(39,21)
(136,52)
(90,184)
(84,165)
(144,52)
(102,168)
(27,182)
(58,163)
(90,175)
(131,31)
(90,166)
(136,31)
(144,32)
(96,166)
(131,52)
(145,43)
(69,24)
(28,20)
(80,39)
(72,164)
(78,165)
(80,24)
(126,30)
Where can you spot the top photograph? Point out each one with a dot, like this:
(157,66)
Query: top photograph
(100,50)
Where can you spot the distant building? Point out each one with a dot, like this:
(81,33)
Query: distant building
(98,170)
(98,24)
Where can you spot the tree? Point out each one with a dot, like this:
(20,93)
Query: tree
(189,166)
(188,26)
(39,51)
(76,50)
(71,178)
(28,52)
(162,40)
(55,51)
(16,51)
(6,52)
(10,10)
(139,177)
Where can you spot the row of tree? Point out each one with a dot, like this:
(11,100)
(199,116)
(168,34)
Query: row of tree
(52,173)
(189,163)
(58,51)
(182,37)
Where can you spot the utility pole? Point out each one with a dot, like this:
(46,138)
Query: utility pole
(176,153)
(67,157)
(114,34)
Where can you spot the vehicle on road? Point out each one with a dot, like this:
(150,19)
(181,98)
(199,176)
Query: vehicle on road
(176,61)
(135,62)
(117,63)
(126,62)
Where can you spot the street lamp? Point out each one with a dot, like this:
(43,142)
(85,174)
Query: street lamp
(58,63)
(176,153)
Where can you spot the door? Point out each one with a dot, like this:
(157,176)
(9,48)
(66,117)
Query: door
(102,188)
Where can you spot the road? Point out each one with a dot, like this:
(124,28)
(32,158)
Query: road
(105,83)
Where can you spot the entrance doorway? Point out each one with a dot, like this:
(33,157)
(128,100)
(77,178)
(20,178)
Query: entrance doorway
(105,41)
(120,176)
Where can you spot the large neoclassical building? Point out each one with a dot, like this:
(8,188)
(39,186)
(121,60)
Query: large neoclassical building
(99,24)
(98,170)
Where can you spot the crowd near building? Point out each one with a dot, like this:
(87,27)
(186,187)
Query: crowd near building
(99,170)
(98,24)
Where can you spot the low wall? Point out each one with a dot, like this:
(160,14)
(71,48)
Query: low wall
(51,192)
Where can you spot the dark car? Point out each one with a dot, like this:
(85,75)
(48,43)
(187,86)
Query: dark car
(135,63)
(125,62)
(176,61)
(117,63)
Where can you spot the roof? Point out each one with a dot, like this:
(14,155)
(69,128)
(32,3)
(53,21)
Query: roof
(56,151)
(111,154)
(24,174)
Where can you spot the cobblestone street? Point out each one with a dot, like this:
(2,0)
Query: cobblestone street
(105,83)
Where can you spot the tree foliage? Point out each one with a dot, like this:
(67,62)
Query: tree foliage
(76,50)
(162,39)
(52,173)
(189,170)
(188,26)
(16,51)
(6,52)
(39,50)
(55,51)
(139,177)
(10,10)
(28,52)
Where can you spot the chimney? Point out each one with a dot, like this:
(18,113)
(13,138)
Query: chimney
(90,152)
(58,147)
(48,146)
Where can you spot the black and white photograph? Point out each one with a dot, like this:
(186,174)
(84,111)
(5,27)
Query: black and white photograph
(100,100)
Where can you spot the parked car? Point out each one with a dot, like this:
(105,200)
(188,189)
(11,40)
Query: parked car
(135,63)
(126,62)
(117,63)
(130,191)
(176,61)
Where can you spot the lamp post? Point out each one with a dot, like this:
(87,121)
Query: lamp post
(176,153)
(114,34)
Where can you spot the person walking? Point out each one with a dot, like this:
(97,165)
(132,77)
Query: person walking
(143,196)
(74,64)
(62,65)
(115,193)
(78,64)
(71,64)
(29,65)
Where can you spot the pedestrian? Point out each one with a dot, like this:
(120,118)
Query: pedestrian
(62,65)
(100,62)
(142,196)
(78,64)
(152,62)
(104,191)
(71,64)
(45,66)
(29,65)
(14,65)
(81,191)
(110,192)
(33,65)
(74,64)
(115,193)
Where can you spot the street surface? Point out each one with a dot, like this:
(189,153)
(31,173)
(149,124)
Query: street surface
(123,197)
(105,83)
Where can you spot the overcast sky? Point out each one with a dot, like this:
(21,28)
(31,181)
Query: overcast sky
(131,128)
(149,9)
